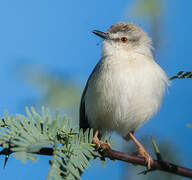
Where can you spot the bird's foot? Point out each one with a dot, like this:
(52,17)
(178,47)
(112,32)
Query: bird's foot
(148,159)
(103,146)
(141,151)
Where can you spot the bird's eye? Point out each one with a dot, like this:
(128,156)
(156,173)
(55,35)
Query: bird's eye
(124,39)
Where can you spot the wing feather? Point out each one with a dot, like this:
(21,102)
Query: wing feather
(83,119)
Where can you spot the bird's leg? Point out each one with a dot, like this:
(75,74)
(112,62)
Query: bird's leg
(141,151)
(99,143)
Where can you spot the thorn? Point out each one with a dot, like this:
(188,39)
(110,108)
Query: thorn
(157,152)
(5,162)
(103,162)
(146,171)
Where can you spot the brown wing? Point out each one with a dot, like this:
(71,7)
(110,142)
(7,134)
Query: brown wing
(83,118)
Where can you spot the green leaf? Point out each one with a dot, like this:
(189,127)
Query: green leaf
(24,136)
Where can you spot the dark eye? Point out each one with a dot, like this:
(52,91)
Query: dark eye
(123,39)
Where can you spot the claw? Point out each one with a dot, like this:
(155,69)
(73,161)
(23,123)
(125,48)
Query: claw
(100,144)
(146,156)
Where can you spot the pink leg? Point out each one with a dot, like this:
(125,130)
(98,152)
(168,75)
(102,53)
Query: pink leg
(141,151)
(100,143)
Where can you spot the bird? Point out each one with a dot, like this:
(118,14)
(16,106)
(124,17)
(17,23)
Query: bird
(125,88)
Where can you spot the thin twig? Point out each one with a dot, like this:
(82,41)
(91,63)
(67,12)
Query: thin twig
(182,75)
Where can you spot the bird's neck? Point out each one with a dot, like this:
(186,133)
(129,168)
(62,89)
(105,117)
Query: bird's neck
(119,52)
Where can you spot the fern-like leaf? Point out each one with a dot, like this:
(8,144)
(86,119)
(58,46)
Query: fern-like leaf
(25,136)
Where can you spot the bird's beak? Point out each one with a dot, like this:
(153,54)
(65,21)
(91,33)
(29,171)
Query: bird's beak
(101,34)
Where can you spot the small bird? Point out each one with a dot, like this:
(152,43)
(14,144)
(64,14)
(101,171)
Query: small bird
(126,86)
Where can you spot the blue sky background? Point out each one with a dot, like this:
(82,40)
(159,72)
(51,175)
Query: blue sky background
(57,36)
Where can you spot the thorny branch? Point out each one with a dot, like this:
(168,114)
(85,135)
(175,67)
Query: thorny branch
(117,155)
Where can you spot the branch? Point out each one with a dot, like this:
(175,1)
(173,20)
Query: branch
(72,149)
(157,165)
(182,75)
(117,155)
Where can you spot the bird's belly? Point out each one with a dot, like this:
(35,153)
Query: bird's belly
(122,102)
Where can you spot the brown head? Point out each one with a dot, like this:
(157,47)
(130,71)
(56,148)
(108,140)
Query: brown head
(126,36)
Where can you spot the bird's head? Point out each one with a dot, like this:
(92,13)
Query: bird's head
(124,37)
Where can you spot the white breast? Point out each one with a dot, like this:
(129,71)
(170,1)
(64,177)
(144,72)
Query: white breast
(122,94)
